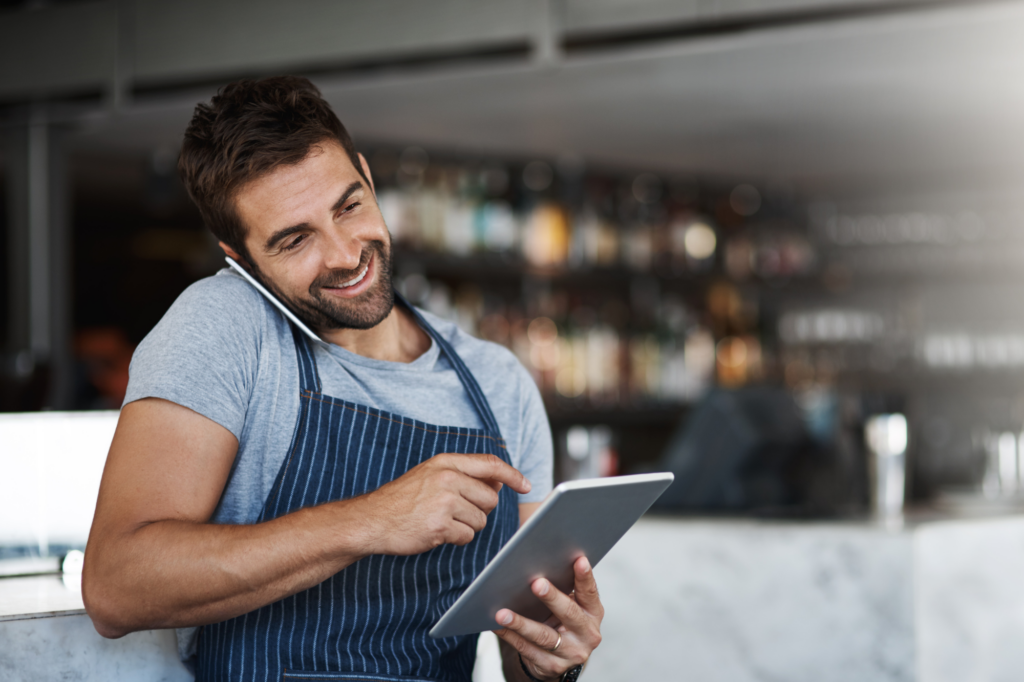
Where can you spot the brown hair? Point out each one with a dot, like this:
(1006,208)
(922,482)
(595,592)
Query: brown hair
(249,128)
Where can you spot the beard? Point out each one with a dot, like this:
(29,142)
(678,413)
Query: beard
(321,311)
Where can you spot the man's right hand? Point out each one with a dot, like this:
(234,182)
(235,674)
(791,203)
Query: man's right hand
(443,500)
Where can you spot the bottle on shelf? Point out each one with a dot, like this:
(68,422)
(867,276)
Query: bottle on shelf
(623,337)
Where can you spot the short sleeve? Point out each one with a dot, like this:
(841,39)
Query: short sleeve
(204,352)
(536,446)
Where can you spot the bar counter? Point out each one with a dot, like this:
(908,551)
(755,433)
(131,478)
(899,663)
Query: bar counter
(46,635)
(940,599)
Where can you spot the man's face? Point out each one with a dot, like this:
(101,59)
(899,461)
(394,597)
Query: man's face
(317,240)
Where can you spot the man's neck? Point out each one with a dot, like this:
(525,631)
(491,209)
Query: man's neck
(398,338)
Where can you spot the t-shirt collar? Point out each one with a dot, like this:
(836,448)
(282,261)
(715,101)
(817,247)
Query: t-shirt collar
(424,363)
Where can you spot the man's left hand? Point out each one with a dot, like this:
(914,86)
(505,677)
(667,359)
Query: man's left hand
(576,618)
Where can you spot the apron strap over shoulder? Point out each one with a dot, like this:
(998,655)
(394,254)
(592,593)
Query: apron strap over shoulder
(476,394)
(309,376)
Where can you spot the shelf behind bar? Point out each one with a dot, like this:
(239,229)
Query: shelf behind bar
(564,413)
(495,267)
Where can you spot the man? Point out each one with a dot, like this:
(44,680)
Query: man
(315,504)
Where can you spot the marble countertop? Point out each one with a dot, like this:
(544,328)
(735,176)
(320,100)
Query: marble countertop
(938,599)
(40,596)
(969,510)
(45,634)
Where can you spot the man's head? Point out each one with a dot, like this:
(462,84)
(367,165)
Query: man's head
(279,183)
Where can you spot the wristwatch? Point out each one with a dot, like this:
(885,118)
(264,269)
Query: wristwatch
(570,675)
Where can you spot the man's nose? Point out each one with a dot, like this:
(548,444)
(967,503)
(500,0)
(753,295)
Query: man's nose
(341,251)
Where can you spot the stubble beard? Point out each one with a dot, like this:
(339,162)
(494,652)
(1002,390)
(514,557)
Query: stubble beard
(322,311)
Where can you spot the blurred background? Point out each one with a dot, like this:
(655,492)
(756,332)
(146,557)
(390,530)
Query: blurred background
(647,201)
(776,246)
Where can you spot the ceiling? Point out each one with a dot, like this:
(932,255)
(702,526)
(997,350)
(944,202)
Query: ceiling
(914,101)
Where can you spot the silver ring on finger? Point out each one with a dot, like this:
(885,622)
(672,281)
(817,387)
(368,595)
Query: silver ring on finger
(557,644)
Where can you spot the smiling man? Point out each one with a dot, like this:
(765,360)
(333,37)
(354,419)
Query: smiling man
(303,507)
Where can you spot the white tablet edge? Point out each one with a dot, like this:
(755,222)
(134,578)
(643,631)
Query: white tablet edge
(541,510)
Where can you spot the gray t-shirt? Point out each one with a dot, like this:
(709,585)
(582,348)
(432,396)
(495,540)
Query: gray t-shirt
(225,352)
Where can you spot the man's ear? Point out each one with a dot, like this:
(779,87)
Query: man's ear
(231,253)
(366,172)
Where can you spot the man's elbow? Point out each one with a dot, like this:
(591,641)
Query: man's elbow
(107,616)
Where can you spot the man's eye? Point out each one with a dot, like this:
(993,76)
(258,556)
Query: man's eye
(349,208)
(295,242)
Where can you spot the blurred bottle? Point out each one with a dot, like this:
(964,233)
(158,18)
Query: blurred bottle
(497,226)
(1001,477)
(546,236)
(647,344)
(638,247)
(458,226)
(595,242)
(587,452)
(886,438)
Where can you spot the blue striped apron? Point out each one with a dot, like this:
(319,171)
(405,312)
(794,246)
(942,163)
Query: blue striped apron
(369,621)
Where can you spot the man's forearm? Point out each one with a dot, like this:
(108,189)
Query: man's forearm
(176,573)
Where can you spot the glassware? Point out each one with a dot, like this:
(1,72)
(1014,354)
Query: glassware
(886,436)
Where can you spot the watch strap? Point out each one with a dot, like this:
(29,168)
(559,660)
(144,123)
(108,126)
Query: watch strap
(570,675)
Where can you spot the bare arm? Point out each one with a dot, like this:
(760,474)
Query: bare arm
(155,561)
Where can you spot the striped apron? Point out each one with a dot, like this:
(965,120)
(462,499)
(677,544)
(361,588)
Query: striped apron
(369,621)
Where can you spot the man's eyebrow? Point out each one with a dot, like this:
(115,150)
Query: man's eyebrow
(349,191)
(280,235)
(286,232)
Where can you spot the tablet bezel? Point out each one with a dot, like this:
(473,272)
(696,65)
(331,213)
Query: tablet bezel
(448,624)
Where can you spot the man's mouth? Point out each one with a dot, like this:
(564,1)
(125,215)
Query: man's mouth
(353,299)
(355,286)
(356,280)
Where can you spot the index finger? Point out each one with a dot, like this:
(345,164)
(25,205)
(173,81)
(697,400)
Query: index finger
(490,467)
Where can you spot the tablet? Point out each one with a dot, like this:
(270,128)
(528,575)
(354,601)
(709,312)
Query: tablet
(579,518)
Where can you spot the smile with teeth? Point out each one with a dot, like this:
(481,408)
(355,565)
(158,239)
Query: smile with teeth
(357,280)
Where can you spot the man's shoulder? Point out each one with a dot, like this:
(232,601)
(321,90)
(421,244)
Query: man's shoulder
(210,351)
(222,301)
(221,311)
(221,291)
